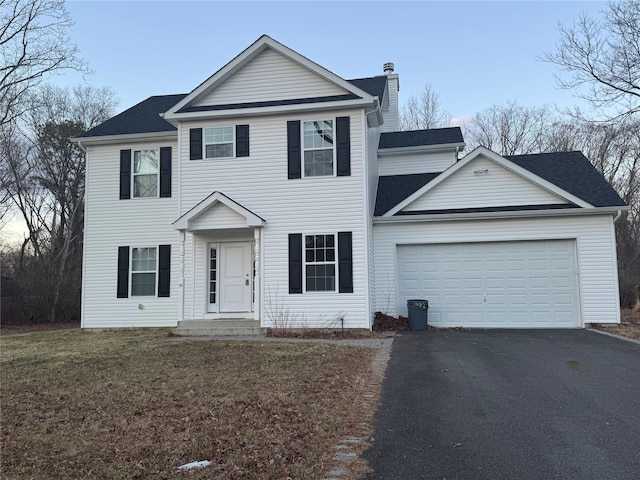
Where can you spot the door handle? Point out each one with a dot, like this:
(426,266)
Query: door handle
(246,282)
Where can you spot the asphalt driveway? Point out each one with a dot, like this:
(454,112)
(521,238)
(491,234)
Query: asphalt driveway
(509,404)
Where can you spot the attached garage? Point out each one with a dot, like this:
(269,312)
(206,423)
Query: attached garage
(523,241)
(521,284)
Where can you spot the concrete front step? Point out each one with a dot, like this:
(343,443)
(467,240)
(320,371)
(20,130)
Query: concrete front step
(206,328)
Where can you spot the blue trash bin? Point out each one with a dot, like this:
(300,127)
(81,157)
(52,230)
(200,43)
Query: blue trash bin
(418,310)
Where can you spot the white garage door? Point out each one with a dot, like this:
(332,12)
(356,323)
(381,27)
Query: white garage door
(498,284)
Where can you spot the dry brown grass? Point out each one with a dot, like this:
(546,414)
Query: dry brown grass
(133,404)
(629,325)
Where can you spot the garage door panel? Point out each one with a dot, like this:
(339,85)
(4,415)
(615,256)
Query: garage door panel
(525,283)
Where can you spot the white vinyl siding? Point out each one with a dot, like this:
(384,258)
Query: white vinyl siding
(111,223)
(390,117)
(316,204)
(286,80)
(593,236)
(497,186)
(416,163)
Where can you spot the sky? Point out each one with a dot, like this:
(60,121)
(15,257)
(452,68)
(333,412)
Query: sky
(474,54)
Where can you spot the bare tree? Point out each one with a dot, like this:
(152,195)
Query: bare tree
(47,173)
(424,111)
(602,60)
(34,41)
(511,129)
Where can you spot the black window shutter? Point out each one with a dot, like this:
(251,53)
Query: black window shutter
(242,140)
(295,263)
(165,172)
(123,272)
(195,144)
(343,146)
(164,270)
(345,263)
(294,150)
(125,174)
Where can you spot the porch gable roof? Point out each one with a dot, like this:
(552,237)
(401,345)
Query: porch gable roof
(187,220)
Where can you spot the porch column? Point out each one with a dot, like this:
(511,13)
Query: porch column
(256,280)
(181,278)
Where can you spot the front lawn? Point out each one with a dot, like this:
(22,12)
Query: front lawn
(136,404)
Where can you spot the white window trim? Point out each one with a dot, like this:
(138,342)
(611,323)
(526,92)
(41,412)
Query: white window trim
(134,175)
(204,142)
(304,263)
(303,149)
(131,272)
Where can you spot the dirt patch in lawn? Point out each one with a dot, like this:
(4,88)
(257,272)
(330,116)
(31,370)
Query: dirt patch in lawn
(629,325)
(131,404)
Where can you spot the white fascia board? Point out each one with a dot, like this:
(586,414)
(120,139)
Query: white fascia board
(274,110)
(185,221)
(246,56)
(485,152)
(441,147)
(520,214)
(127,138)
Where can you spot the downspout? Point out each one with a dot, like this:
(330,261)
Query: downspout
(84,240)
(617,217)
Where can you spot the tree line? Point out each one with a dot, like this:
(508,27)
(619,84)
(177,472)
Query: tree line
(600,62)
(42,172)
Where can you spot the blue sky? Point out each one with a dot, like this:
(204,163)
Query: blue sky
(474,54)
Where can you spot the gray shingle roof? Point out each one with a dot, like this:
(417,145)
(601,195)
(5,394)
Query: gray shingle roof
(572,172)
(372,85)
(392,189)
(415,138)
(145,116)
(141,118)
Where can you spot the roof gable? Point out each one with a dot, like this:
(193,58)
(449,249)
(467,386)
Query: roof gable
(266,71)
(483,183)
(492,156)
(218,211)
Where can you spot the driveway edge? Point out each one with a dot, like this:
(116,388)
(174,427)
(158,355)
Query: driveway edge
(349,446)
(614,335)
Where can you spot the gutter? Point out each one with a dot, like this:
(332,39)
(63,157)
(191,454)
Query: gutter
(440,147)
(522,214)
(127,137)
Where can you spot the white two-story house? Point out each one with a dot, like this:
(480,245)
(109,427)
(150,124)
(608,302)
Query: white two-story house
(277,193)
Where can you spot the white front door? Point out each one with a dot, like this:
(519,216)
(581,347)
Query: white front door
(235,277)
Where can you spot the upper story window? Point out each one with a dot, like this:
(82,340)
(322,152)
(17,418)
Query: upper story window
(145,173)
(218,142)
(318,148)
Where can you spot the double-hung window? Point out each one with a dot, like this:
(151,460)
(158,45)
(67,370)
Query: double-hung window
(218,142)
(320,263)
(318,148)
(143,271)
(145,173)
